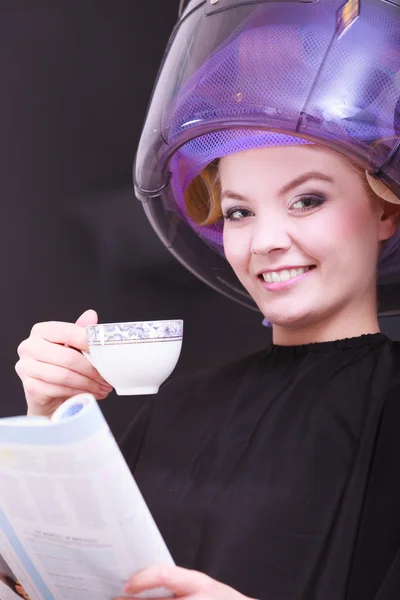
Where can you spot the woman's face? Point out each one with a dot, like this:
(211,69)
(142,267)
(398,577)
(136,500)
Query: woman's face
(301,233)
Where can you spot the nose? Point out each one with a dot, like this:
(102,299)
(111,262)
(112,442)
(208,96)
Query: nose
(270,235)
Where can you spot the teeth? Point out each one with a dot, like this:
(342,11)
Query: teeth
(284,275)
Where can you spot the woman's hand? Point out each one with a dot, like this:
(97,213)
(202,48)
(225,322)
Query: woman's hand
(183,583)
(52,368)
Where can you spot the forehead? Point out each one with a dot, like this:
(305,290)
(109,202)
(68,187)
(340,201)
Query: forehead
(282,164)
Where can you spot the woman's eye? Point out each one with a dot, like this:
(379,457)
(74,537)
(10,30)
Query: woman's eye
(237,214)
(308,202)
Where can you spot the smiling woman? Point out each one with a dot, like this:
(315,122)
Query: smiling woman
(263,196)
(283,217)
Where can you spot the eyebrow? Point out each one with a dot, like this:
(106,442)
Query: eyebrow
(286,188)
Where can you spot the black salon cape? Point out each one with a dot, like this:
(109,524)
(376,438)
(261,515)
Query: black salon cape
(280,474)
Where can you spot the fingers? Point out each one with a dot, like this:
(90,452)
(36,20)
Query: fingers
(182,582)
(52,367)
(60,376)
(58,332)
(46,352)
(89,317)
(46,397)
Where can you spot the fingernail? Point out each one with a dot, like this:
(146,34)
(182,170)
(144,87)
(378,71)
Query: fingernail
(106,388)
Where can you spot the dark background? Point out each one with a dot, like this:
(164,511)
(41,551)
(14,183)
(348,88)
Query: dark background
(76,76)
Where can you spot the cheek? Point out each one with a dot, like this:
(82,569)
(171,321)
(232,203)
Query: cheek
(338,234)
(237,247)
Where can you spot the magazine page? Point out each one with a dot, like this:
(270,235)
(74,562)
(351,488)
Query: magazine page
(70,508)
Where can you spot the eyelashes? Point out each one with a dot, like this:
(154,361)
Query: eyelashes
(305,203)
(237,214)
(309,202)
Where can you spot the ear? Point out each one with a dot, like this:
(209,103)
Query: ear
(389,220)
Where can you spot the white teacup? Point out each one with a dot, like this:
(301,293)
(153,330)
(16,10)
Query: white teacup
(135,358)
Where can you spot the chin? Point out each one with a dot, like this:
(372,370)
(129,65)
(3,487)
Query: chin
(291,319)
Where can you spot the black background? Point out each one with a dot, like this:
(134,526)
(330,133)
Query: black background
(76,77)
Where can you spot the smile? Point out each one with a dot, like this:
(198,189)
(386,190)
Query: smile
(284,274)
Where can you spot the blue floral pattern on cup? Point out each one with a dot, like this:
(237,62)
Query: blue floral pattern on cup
(112,333)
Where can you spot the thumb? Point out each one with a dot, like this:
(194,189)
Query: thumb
(89,317)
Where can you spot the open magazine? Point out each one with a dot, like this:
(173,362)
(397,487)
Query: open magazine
(73,523)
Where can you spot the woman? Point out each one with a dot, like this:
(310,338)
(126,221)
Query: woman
(276,476)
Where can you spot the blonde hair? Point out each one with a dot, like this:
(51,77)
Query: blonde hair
(203,195)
